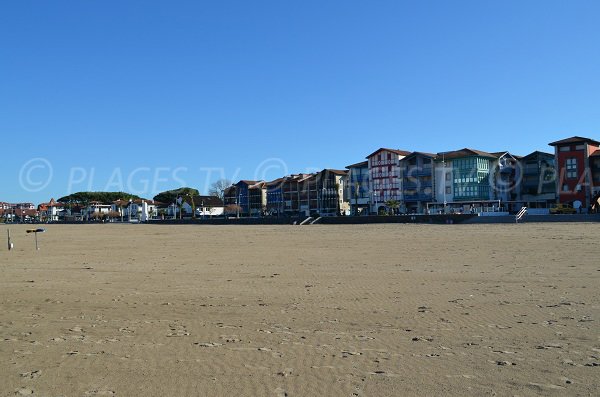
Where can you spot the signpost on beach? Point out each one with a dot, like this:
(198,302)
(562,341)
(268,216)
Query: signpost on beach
(36,231)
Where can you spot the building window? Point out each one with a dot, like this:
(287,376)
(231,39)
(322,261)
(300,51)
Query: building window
(571,168)
(565,188)
(448,190)
(565,149)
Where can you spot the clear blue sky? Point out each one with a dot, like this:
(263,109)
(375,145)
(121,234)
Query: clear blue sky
(148,94)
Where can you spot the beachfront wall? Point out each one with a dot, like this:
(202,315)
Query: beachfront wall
(574,184)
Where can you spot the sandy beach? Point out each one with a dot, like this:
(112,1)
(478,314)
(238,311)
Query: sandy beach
(364,310)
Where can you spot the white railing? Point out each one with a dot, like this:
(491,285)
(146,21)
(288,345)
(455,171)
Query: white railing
(522,212)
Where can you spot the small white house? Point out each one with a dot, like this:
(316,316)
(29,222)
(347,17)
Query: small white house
(51,210)
(95,207)
(140,209)
(206,206)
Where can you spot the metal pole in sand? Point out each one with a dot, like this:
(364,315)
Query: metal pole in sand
(10,245)
(36,231)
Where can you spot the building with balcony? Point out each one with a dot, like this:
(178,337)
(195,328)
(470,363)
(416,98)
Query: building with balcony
(575,157)
(595,168)
(331,192)
(417,181)
(537,187)
(249,196)
(505,175)
(384,174)
(257,199)
(275,201)
(358,188)
(290,191)
(462,178)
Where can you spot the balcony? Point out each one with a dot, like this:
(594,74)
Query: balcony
(425,171)
(531,170)
(418,197)
(418,184)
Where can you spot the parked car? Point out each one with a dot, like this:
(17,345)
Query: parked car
(562,209)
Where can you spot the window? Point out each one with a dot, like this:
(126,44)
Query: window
(448,176)
(565,188)
(448,190)
(565,148)
(571,168)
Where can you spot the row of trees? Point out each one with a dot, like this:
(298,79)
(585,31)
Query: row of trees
(102,197)
(217,189)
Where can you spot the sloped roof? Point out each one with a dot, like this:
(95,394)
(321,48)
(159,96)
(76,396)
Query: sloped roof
(275,181)
(247,182)
(52,203)
(425,154)
(596,153)
(26,212)
(358,165)
(537,152)
(574,139)
(397,151)
(466,152)
(500,154)
(337,172)
(207,201)
(258,185)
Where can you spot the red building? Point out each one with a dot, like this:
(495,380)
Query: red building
(574,162)
(384,174)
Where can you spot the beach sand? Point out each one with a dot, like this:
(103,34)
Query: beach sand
(363,310)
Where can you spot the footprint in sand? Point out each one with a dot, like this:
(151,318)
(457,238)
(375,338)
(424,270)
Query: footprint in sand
(100,393)
(279,392)
(31,375)
(285,373)
(207,344)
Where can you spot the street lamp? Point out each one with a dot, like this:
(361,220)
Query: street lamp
(129,210)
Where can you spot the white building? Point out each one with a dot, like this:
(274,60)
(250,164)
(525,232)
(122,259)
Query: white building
(205,206)
(139,209)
